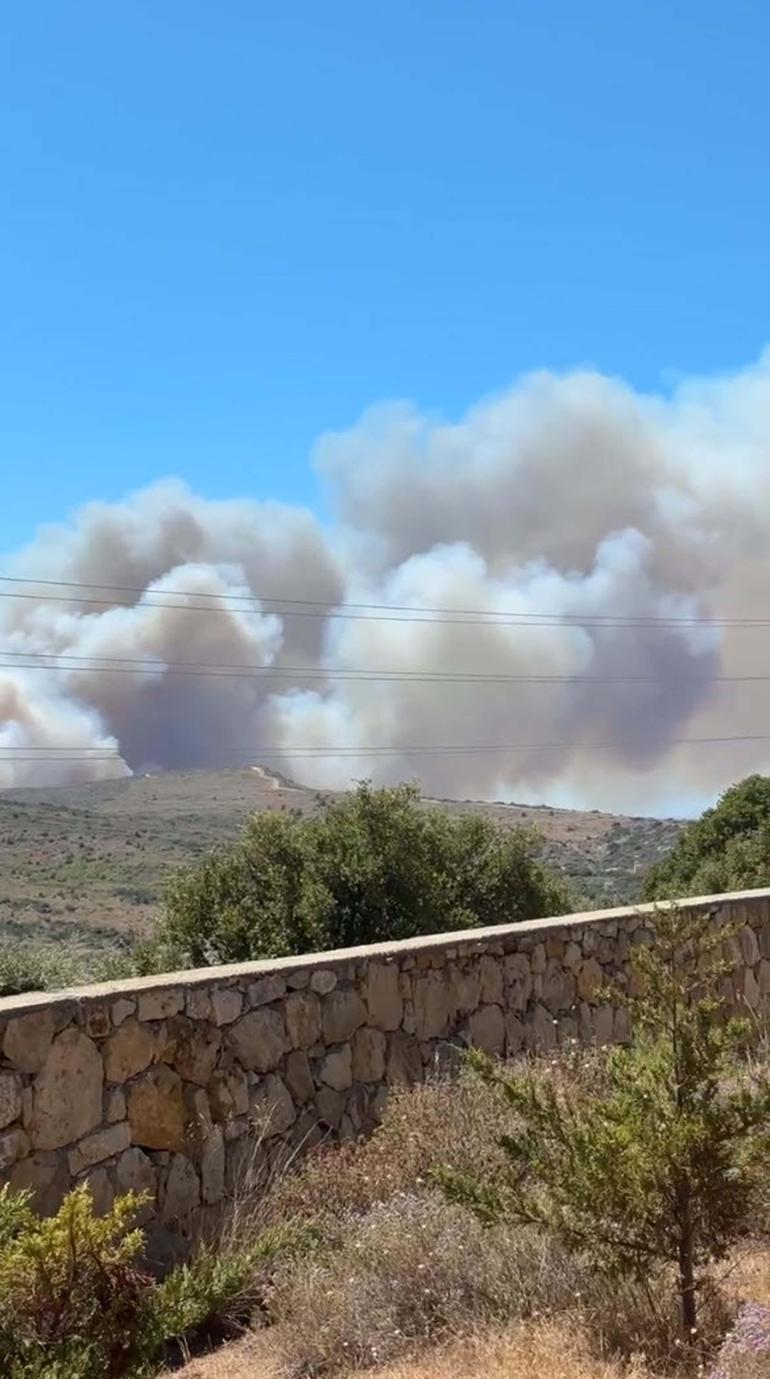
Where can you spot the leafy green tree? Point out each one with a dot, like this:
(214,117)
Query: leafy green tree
(657,1167)
(375,865)
(727,849)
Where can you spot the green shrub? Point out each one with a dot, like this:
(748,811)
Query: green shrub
(72,1299)
(222,1284)
(726,849)
(659,1169)
(50,966)
(372,866)
(74,1303)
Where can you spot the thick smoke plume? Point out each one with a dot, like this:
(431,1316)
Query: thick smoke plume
(567,496)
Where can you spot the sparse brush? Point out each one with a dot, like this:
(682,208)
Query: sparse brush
(417,1270)
(48,967)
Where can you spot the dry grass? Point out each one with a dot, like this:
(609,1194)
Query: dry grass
(404,1285)
(536,1350)
(547,1350)
(439,1122)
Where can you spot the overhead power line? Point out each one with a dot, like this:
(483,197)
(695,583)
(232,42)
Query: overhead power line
(73,662)
(448,749)
(376,612)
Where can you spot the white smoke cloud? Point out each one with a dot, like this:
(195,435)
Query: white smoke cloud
(571,496)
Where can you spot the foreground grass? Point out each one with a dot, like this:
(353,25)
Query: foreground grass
(402,1284)
(353,1263)
(538,1350)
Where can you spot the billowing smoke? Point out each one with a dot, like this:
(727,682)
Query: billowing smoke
(613,540)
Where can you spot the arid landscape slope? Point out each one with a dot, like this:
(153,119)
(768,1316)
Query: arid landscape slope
(90,861)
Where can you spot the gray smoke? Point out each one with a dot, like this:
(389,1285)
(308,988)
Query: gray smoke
(570,496)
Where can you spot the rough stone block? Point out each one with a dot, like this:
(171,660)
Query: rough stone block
(323,981)
(336,1069)
(303,1019)
(259,1039)
(128,1051)
(94,1149)
(518,971)
(273,1110)
(590,978)
(28,1039)
(213,1166)
(465,987)
(229,1094)
(343,1012)
(101,1190)
(541,1031)
(226,1005)
(604,1024)
(485,1029)
(156,1111)
(749,947)
(160,1005)
(14,1145)
(180,1191)
(266,989)
(46,1177)
(330,1106)
(558,992)
(198,1004)
(115,1106)
(382,994)
(298,1076)
(514,1034)
(404,1061)
(573,957)
(97,1022)
(121,1010)
(10,1098)
(368,1055)
(192,1047)
(135,1174)
(67,1092)
(433,1005)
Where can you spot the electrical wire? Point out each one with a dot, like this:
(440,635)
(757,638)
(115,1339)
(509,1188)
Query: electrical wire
(367,612)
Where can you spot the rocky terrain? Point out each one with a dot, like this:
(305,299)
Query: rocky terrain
(89,862)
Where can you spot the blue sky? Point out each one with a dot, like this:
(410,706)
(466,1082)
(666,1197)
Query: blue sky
(228,228)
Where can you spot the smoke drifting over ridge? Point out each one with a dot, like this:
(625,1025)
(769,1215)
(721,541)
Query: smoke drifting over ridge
(570,496)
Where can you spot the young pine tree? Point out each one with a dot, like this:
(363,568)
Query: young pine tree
(659,1168)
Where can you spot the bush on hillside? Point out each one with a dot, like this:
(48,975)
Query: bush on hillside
(659,1169)
(75,1304)
(51,966)
(726,849)
(372,866)
(72,1299)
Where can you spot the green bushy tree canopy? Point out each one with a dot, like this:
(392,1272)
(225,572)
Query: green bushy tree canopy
(372,866)
(726,849)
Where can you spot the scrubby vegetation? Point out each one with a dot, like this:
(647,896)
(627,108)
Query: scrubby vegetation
(575,1205)
(371,866)
(726,849)
(657,1169)
(26,966)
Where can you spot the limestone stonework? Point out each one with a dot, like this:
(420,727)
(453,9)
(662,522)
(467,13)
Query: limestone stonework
(186,1086)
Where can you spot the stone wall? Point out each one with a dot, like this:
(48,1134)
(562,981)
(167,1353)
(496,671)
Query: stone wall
(156,1084)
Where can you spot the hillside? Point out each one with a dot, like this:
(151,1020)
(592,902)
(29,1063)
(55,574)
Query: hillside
(89,862)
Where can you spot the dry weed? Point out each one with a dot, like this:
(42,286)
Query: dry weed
(544,1350)
(534,1350)
(417,1270)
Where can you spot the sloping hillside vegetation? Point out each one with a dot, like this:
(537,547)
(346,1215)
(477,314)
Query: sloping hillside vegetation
(726,849)
(85,866)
